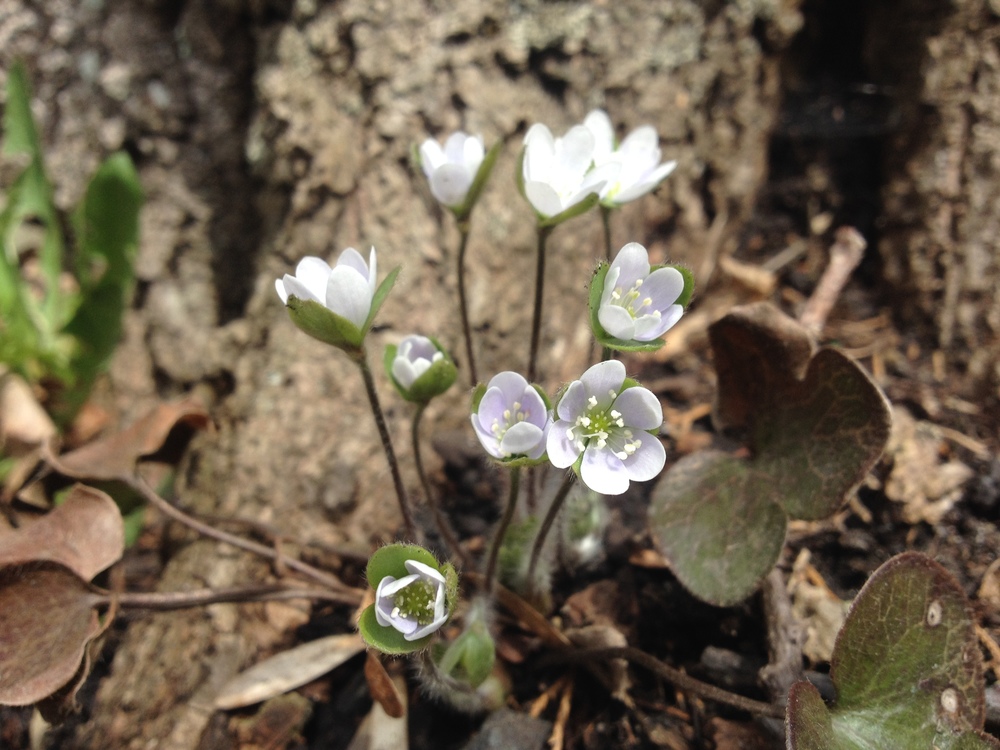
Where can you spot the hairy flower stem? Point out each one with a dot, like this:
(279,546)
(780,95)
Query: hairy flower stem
(444,528)
(543,532)
(606,221)
(463,230)
(404,505)
(536,320)
(501,530)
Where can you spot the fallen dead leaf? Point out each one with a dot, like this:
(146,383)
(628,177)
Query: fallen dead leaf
(117,455)
(288,670)
(820,611)
(379,731)
(382,688)
(24,424)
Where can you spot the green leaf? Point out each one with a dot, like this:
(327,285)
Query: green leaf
(906,666)
(719,525)
(20,134)
(107,230)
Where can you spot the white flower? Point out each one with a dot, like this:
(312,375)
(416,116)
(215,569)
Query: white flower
(638,158)
(346,289)
(414,604)
(609,426)
(558,172)
(512,419)
(414,357)
(637,305)
(451,170)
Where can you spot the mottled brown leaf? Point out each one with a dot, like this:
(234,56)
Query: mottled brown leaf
(382,688)
(117,455)
(85,534)
(47,618)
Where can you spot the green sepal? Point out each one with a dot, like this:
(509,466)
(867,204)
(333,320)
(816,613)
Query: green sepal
(391,561)
(450,586)
(520,462)
(379,298)
(325,325)
(388,640)
(463,211)
(437,379)
(519,175)
(576,209)
(477,395)
(543,395)
(685,298)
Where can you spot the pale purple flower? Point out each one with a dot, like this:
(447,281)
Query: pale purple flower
(609,426)
(451,170)
(638,159)
(512,419)
(414,604)
(637,305)
(558,172)
(414,357)
(346,289)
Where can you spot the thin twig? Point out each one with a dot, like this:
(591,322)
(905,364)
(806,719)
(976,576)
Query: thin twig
(501,529)
(536,319)
(463,230)
(390,454)
(444,528)
(162,601)
(672,675)
(845,254)
(606,221)
(784,639)
(139,485)
(543,532)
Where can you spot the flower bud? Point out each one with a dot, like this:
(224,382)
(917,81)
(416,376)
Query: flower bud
(419,368)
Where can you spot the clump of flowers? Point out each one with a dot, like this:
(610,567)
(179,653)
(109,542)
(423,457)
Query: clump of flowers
(637,159)
(511,419)
(606,429)
(558,174)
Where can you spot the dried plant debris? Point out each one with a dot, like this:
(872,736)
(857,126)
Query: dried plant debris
(47,606)
(926,482)
(906,667)
(814,423)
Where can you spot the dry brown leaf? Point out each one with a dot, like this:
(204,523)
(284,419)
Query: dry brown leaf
(382,688)
(24,424)
(85,534)
(379,731)
(820,611)
(288,670)
(47,619)
(116,455)
(613,673)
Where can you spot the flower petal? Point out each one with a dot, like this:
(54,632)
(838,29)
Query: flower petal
(616,321)
(521,438)
(348,295)
(573,402)
(427,629)
(424,570)
(598,123)
(646,184)
(647,461)
(486,438)
(454,147)
(394,586)
(543,198)
(511,384)
(640,408)
(604,380)
(351,258)
(649,327)
(533,407)
(610,282)
(431,156)
(313,272)
(562,451)
(575,153)
(473,154)
(293,287)
(640,141)
(405,371)
(663,286)
(539,153)
(633,262)
(603,471)
(372,270)
(450,184)
(492,405)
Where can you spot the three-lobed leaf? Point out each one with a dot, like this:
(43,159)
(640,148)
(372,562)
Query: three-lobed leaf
(814,423)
